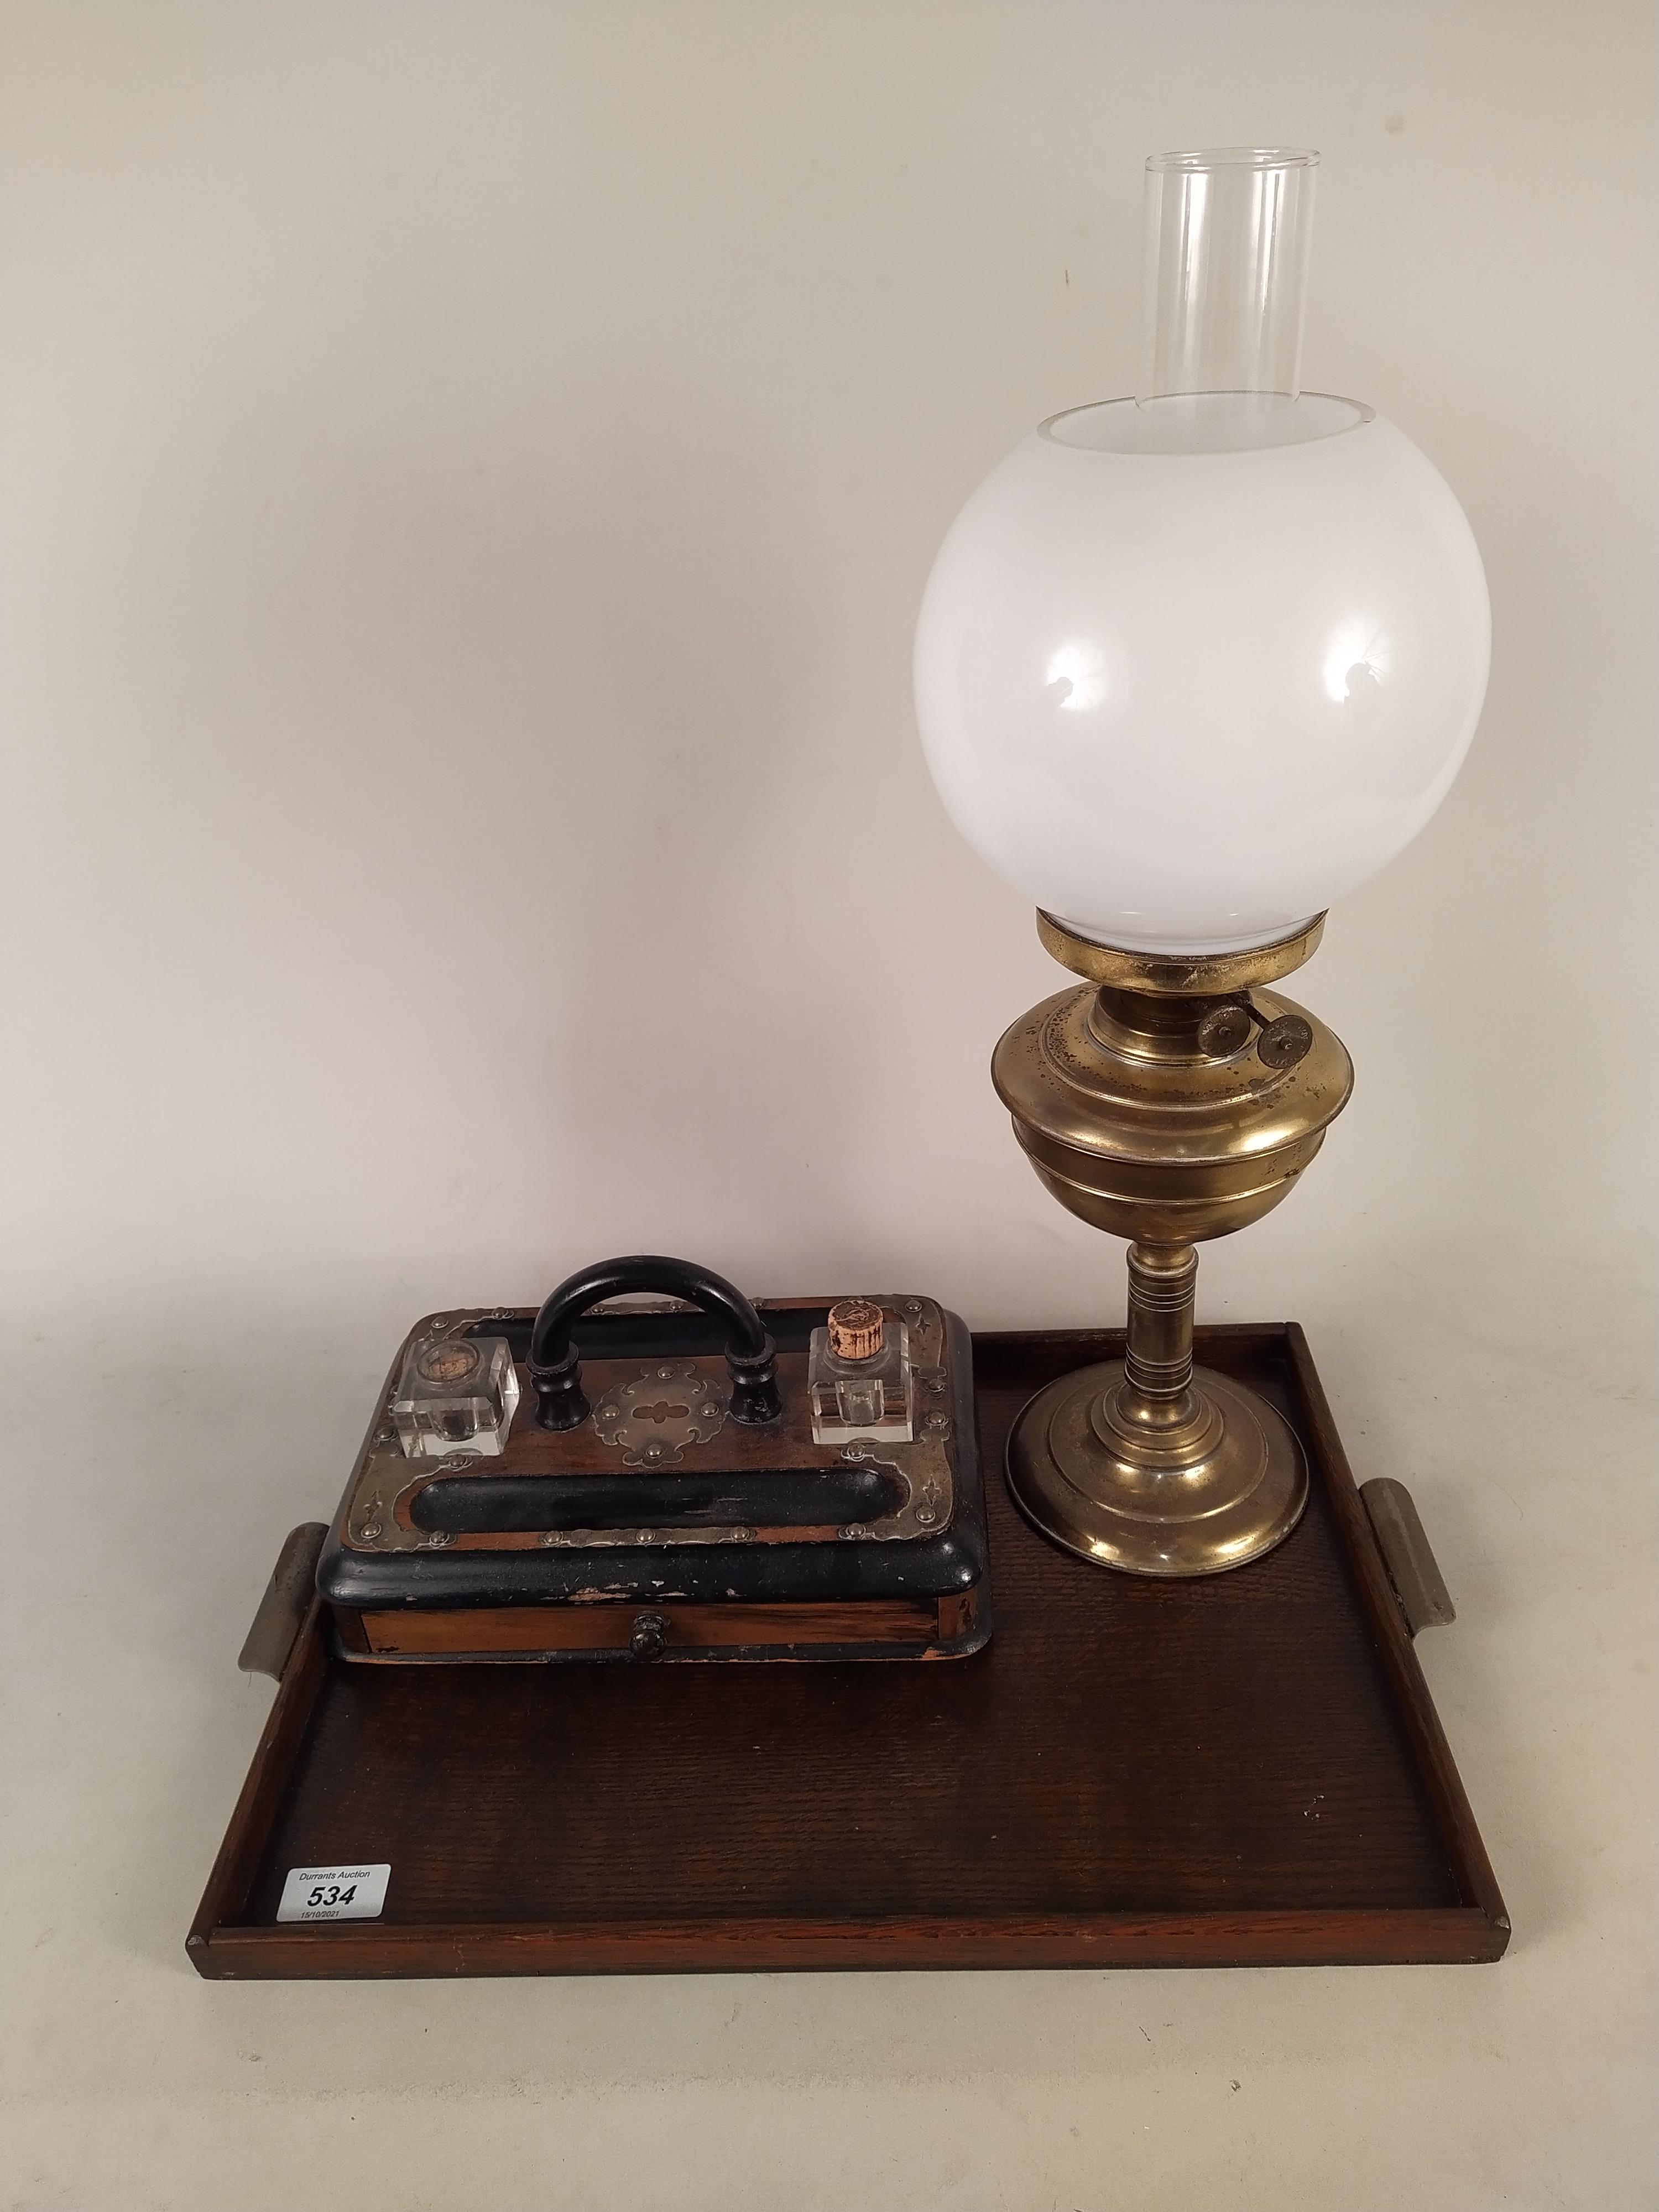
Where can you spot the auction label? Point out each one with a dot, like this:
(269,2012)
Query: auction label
(334,1893)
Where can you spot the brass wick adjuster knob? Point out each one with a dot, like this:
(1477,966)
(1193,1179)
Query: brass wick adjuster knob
(856,1329)
(1226,1030)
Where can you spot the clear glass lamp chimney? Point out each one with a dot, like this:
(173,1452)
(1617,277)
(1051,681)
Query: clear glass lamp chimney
(1191,665)
(1224,280)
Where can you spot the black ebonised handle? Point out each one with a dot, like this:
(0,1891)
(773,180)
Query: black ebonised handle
(751,1354)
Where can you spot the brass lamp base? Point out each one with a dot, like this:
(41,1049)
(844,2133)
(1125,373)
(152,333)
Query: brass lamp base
(1151,1464)
(1233,1502)
(1176,1101)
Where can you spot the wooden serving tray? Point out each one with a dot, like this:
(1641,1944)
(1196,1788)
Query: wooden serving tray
(1245,1770)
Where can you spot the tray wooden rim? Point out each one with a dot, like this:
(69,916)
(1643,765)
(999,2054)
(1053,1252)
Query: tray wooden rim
(1475,1930)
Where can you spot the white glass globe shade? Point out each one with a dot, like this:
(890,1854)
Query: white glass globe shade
(1187,672)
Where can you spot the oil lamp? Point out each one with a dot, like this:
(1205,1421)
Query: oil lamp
(1189,667)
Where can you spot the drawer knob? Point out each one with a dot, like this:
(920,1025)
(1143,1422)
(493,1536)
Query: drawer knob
(650,1637)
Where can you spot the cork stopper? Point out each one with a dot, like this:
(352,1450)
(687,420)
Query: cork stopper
(855,1329)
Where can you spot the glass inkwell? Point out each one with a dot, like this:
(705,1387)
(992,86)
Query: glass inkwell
(457,1394)
(858,1376)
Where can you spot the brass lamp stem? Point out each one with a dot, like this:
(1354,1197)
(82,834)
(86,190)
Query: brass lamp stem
(1157,1365)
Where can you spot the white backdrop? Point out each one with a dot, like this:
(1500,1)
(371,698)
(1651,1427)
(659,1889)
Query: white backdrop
(466,476)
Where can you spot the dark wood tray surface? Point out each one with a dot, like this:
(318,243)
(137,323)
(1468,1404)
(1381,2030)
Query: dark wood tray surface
(1242,1770)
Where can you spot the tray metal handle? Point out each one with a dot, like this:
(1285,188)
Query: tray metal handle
(282,1612)
(1413,1568)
